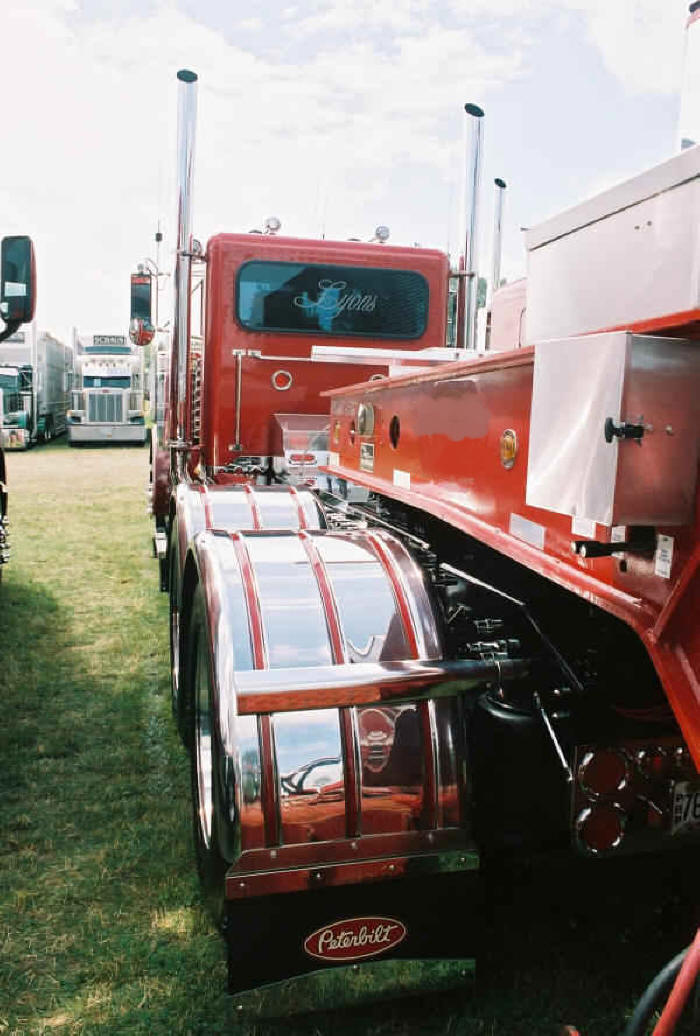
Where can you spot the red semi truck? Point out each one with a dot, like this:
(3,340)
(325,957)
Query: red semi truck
(430,609)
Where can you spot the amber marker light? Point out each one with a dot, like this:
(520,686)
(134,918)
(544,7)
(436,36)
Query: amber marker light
(508,445)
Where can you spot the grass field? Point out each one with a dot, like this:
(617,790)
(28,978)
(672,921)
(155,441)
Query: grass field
(102,929)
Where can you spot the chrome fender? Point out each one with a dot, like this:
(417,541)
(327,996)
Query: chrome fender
(200,507)
(336,607)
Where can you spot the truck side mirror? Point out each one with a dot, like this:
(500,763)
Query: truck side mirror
(17,280)
(141,329)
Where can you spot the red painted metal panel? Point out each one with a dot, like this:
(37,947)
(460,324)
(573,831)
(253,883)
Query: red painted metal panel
(447,462)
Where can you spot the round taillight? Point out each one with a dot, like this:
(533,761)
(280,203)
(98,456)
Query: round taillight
(603,772)
(600,828)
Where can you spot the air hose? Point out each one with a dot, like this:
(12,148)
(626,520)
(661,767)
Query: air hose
(674,981)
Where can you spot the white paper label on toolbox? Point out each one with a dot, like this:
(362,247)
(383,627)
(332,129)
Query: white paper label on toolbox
(663,558)
(618,534)
(14,290)
(333,460)
(526,530)
(366,456)
(583,527)
(402,479)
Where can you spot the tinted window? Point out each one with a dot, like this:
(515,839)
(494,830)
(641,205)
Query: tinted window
(331,300)
(141,298)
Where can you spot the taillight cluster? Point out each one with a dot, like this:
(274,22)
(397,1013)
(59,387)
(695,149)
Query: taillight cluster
(624,794)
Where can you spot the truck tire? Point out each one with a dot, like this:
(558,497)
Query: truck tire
(210,827)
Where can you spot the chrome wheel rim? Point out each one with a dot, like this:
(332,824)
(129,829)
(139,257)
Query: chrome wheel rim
(203,746)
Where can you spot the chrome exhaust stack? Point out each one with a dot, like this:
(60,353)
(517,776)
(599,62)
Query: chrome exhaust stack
(179,359)
(689,115)
(472,186)
(497,234)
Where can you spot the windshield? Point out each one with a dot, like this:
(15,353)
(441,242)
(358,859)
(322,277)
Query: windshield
(9,380)
(90,381)
(331,300)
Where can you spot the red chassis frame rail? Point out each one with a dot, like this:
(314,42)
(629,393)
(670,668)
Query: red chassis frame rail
(446,461)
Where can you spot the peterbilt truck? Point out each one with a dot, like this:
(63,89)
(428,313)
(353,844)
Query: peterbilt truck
(36,372)
(477,639)
(17,305)
(107,397)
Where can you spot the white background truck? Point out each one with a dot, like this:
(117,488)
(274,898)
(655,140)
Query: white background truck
(107,404)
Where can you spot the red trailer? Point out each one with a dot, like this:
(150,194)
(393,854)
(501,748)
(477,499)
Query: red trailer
(428,612)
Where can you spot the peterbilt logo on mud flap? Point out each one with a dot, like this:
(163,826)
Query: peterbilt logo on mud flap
(354,938)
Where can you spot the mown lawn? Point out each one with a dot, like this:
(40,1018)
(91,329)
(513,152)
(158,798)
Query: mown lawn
(101,926)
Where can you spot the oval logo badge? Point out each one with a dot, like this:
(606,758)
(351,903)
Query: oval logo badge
(355,938)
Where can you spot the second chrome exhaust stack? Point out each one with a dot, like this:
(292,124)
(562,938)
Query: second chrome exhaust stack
(472,187)
(497,234)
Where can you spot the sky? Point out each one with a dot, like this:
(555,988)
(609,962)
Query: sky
(333,116)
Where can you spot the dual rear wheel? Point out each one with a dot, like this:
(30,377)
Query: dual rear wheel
(211,827)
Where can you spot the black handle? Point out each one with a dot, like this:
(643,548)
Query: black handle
(624,430)
(640,540)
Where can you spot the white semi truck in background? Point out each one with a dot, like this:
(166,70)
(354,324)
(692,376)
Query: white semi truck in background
(36,372)
(107,398)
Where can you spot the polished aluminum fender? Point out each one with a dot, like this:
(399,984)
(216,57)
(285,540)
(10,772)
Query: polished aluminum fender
(347,741)
(199,507)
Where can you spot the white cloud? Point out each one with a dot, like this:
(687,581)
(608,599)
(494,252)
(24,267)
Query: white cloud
(640,41)
(251,24)
(93,136)
(89,143)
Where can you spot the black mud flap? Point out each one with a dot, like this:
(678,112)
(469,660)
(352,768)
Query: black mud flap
(429,917)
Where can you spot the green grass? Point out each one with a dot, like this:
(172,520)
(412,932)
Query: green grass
(101,925)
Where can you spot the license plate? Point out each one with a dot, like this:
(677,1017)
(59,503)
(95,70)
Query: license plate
(686,807)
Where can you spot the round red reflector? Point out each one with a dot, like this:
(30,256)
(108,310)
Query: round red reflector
(600,828)
(603,772)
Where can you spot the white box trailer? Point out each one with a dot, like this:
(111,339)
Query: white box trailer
(36,372)
(107,399)
(626,259)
